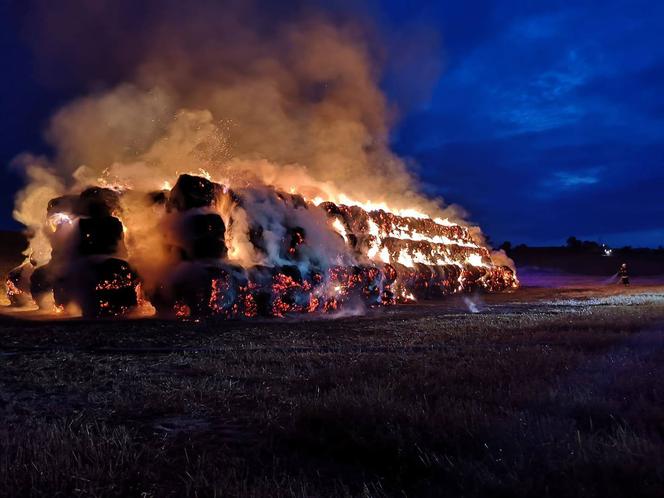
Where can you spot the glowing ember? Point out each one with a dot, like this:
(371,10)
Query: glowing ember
(12,291)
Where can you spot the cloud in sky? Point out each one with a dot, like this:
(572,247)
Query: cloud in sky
(574,180)
(552,124)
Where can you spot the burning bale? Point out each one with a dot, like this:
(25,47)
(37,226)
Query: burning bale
(202,249)
(41,283)
(105,287)
(102,235)
(18,284)
(86,268)
(191,192)
(197,289)
(199,280)
(203,237)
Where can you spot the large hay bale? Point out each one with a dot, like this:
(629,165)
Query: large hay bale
(109,289)
(192,192)
(204,237)
(101,235)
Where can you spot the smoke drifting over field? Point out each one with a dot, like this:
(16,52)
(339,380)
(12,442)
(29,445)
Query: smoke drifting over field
(264,104)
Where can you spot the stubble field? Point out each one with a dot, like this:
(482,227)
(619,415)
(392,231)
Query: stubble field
(544,392)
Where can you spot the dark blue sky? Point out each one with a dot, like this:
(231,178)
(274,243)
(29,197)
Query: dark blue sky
(542,121)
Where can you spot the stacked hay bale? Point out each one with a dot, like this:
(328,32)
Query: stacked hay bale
(200,282)
(87,266)
(295,257)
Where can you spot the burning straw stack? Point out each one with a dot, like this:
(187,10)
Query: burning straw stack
(385,257)
(88,266)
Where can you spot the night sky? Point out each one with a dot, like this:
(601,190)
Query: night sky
(542,122)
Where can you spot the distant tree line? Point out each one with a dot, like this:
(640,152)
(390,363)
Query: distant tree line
(573,244)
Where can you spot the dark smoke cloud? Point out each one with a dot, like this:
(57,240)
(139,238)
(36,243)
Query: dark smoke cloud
(103,42)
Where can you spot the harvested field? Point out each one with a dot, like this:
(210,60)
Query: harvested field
(543,392)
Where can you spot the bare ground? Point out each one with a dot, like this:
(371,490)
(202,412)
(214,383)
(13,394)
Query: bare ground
(544,392)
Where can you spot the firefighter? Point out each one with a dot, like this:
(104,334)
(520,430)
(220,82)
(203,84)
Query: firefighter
(624,275)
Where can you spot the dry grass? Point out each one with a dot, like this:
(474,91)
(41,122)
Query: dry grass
(527,399)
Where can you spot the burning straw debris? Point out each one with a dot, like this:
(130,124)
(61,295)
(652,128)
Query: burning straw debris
(303,257)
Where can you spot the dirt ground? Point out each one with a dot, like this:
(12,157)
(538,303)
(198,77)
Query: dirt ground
(554,390)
